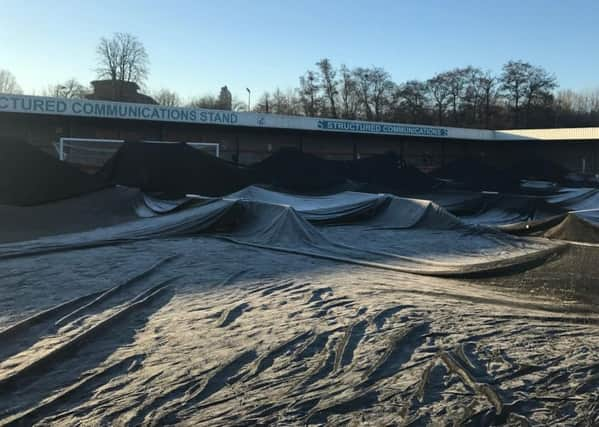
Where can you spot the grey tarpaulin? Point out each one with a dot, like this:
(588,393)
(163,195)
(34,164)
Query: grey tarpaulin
(93,210)
(511,209)
(151,205)
(336,207)
(103,208)
(583,201)
(183,222)
(375,210)
(407,235)
(456,202)
(420,249)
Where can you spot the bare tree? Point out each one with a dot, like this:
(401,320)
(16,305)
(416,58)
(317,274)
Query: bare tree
(471,97)
(205,101)
(468,96)
(375,88)
(263,104)
(584,102)
(122,58)
(285,102)
(349,94)
(8,83)
(538,90)
(574,109)
(362,77)
(525,83)
(513,81)
(309,93)
(593,97)
(167,98)
(412,97)
(439,89)
(383,87)
(280,103)
(68,89)
(456,81)
(328,83)
(487,84)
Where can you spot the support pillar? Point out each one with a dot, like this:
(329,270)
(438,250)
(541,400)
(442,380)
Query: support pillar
(442,153)
(402,151)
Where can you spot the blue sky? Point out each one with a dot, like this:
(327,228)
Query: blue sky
(195,47)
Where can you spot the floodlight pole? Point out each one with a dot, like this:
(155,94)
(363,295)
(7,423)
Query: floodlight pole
(249,95)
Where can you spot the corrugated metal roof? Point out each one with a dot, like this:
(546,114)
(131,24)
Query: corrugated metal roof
(560,134)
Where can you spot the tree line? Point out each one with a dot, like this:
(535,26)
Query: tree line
(521,95)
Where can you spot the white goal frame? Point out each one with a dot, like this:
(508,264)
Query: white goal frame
(61,143)
(214,145)
(206,144)
(60,146)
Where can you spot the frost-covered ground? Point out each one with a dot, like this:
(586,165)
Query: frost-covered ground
(200,331)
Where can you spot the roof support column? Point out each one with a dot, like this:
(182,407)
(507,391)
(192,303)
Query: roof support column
(442,153)
(402,151)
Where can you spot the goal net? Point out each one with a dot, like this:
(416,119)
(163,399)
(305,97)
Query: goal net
(87,152)
(92,153)
(209,147)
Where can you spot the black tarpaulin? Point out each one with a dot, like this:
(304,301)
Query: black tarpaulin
(386,173)
(538,169)
(174,169)
(28,176)
(474,174)
(103,208)
(299,172)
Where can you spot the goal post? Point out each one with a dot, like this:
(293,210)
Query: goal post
(93,153)
(87,152)
(211,147)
